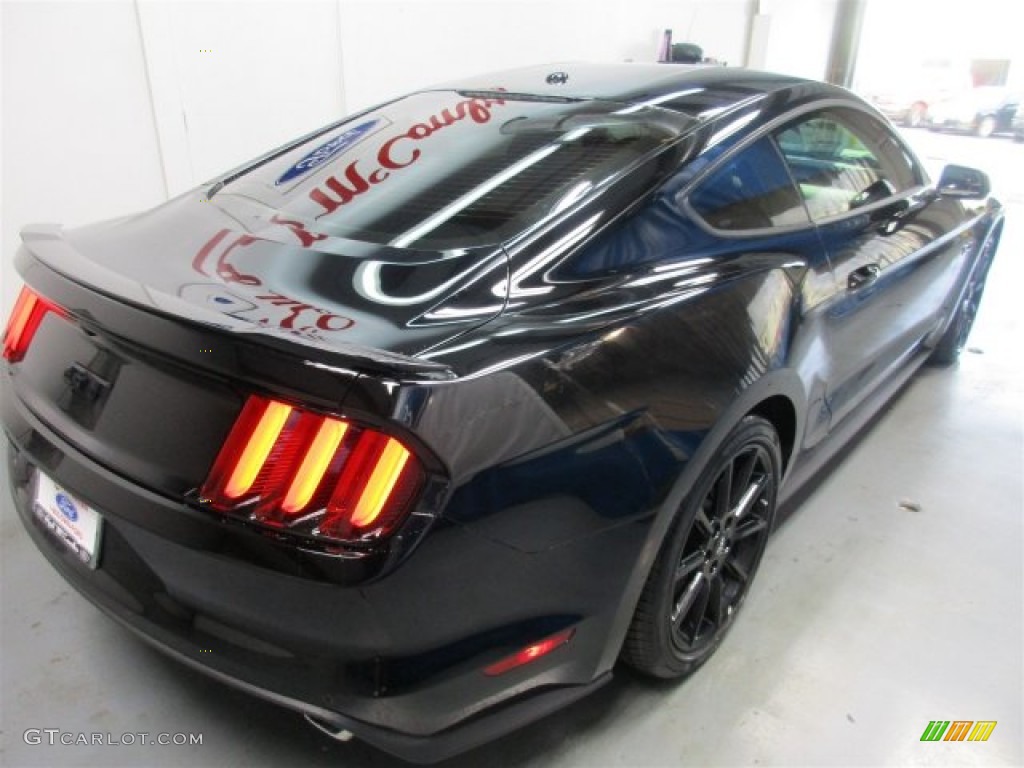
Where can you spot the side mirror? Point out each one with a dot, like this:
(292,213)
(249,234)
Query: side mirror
(960,181)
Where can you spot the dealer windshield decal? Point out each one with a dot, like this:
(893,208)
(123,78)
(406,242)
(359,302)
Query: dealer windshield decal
(397,153)
(327,150)
(267,307)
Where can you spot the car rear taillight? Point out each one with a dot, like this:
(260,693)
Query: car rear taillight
(29,311)
(305,472)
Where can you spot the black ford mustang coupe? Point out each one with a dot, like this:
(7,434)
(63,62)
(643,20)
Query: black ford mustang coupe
(420,424)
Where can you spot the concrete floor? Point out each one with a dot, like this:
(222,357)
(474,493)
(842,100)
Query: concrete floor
(867,620)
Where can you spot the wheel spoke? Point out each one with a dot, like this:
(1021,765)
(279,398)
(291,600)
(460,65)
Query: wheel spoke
(746,463)
(694,617)
(723,492)
(714,610)
(738,571)
(688,565)
(703,521)
(750,495)
(686,600)
(749,527)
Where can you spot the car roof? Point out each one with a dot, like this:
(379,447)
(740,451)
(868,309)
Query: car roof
(686,88)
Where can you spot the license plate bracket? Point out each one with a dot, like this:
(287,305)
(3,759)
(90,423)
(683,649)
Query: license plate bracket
(77,525)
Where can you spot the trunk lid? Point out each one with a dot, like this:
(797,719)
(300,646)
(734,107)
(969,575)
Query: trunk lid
(241,264)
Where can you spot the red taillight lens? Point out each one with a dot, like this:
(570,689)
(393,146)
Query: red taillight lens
(530,653)
(290,468)
(29,311)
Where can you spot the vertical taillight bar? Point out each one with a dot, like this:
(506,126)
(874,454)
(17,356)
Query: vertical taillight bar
(290,468)
(382,481)
(257,448)
(314,465)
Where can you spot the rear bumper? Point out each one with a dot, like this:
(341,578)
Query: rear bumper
(399,666)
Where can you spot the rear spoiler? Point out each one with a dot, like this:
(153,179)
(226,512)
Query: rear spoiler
(44,246)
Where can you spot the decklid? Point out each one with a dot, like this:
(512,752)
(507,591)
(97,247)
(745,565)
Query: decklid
(242,266)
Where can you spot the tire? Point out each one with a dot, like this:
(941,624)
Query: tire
(709,557)
(986,127)
(947,350)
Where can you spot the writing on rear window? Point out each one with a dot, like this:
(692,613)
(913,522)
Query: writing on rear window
(327,150)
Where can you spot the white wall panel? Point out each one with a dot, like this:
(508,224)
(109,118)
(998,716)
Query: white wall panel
(78,142)
(231,80)
(799,36)
(392,46)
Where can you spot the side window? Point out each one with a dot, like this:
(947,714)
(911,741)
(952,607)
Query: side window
(750,191)
(843,159)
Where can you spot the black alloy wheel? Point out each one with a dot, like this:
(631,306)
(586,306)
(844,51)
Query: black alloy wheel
(710,556)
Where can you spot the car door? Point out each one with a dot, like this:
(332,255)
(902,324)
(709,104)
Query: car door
(888,239)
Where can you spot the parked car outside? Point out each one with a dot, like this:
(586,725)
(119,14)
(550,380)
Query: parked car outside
(908,110)
(982,111)
(904,93)
(422,423)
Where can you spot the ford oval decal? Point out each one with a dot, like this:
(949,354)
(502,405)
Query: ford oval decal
(67,507)
(327,150)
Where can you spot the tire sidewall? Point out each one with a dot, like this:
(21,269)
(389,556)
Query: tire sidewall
(751,430)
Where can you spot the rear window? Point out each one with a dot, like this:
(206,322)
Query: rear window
(443,170)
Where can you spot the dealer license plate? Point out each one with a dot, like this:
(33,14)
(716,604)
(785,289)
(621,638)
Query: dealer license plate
(73,521)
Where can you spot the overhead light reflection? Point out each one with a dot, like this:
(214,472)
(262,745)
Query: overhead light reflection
(658,278)
(456,348)
(431,223)
(731,128)
(576,133)
(695,281)
(658,100)
(687,263)
(601,312)
(367,282)
(447,313)
(670,272)
(553,252)
(575,193)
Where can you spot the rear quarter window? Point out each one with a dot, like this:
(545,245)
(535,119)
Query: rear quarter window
(750,191)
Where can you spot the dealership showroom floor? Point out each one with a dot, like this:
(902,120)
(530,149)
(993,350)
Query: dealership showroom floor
(890,597)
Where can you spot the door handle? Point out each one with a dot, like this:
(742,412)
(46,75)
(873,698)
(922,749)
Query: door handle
(862,276)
